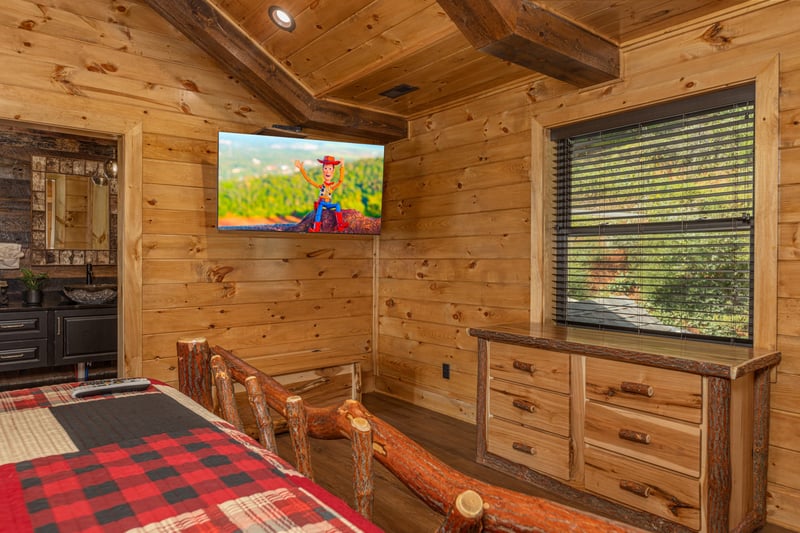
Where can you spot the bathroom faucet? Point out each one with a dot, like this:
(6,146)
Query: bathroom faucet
(89,274)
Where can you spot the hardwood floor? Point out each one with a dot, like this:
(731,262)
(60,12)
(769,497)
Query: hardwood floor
(396,509)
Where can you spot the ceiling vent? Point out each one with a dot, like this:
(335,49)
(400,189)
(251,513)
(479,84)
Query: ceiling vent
(399,90)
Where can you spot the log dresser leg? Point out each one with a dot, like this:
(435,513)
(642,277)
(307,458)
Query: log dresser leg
(483,373)
(719,454)
(761,388)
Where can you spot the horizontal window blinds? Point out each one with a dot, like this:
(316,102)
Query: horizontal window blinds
(654,223)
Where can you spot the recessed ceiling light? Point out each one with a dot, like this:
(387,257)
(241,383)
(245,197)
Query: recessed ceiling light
(281,18)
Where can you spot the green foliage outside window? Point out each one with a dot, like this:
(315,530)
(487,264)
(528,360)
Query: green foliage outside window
(660,216)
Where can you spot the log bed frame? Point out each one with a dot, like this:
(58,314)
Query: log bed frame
(207,375)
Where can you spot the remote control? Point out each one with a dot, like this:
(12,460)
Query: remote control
(106,386)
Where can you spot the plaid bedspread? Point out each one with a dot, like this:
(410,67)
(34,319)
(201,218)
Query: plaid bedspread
(152,461)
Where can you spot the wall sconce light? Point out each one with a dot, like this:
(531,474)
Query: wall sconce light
(281,18)
(101,175)
(111,168)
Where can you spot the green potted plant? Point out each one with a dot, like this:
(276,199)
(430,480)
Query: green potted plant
(33,281)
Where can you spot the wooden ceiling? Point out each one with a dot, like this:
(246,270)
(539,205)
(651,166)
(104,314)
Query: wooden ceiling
(330,71)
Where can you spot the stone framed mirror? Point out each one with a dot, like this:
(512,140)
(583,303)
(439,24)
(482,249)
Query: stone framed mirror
(74,211)
(50,176)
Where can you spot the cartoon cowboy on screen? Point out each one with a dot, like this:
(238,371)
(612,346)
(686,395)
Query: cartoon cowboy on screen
(326,189)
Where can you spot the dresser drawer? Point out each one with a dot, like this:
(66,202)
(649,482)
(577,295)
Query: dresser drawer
(23,325)
(529,366)
(660,441)
(655,490)
(19,355)
(655,390)
(529,406)
(538,450)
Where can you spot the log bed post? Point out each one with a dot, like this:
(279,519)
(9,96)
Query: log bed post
(258,404)
(362,466)
(465,515)
(194,370)
(298,430)
(225,396)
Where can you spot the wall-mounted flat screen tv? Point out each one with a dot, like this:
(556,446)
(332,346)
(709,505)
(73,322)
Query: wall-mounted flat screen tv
(272,183)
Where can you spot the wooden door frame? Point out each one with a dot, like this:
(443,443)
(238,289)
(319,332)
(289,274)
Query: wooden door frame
(33,112)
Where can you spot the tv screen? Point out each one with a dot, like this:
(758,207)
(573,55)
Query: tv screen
(271,183)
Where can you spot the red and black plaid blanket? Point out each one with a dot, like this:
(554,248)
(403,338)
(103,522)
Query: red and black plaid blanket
(150,461)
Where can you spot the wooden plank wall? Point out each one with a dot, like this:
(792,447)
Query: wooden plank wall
(455,238)
(117,67)
(456,247)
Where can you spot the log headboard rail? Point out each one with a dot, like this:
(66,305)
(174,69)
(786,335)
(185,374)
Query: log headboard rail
(208,375)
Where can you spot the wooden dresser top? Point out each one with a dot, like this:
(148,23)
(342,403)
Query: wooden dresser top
(704,358)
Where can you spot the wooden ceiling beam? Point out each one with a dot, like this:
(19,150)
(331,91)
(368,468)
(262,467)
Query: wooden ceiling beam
(524,33)
(207,27)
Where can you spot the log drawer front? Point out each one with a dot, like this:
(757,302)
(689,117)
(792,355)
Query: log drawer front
(649,413)
(538,450)
(23,340)
(669,393)
(530,366)
(658,491)
(529,406)
(666,434)
(635,453)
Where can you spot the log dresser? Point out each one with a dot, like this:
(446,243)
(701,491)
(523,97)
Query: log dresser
(663,433)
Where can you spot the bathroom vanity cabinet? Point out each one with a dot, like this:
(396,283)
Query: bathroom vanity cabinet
(84,335)
(24,341)
(37,338)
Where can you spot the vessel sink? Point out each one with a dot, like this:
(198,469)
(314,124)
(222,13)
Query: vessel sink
(91,294)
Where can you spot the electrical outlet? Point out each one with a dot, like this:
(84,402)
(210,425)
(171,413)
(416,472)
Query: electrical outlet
(445,370)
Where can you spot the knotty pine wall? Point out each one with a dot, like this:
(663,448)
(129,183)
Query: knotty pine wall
(456,249)
(117,68)
(464,209)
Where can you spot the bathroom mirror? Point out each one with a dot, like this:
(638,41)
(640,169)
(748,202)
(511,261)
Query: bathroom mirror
(74,211)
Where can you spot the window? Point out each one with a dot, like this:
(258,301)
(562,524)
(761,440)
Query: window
(654,219)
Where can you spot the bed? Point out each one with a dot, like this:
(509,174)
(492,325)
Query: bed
(147,461)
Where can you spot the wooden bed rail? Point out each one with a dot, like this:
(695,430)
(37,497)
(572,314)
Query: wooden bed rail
(466,504)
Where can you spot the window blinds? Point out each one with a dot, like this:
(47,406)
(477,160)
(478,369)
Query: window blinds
(654,220)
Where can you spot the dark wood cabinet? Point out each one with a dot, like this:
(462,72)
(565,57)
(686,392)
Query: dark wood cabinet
(84,335)
(24,340)
(41,338)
